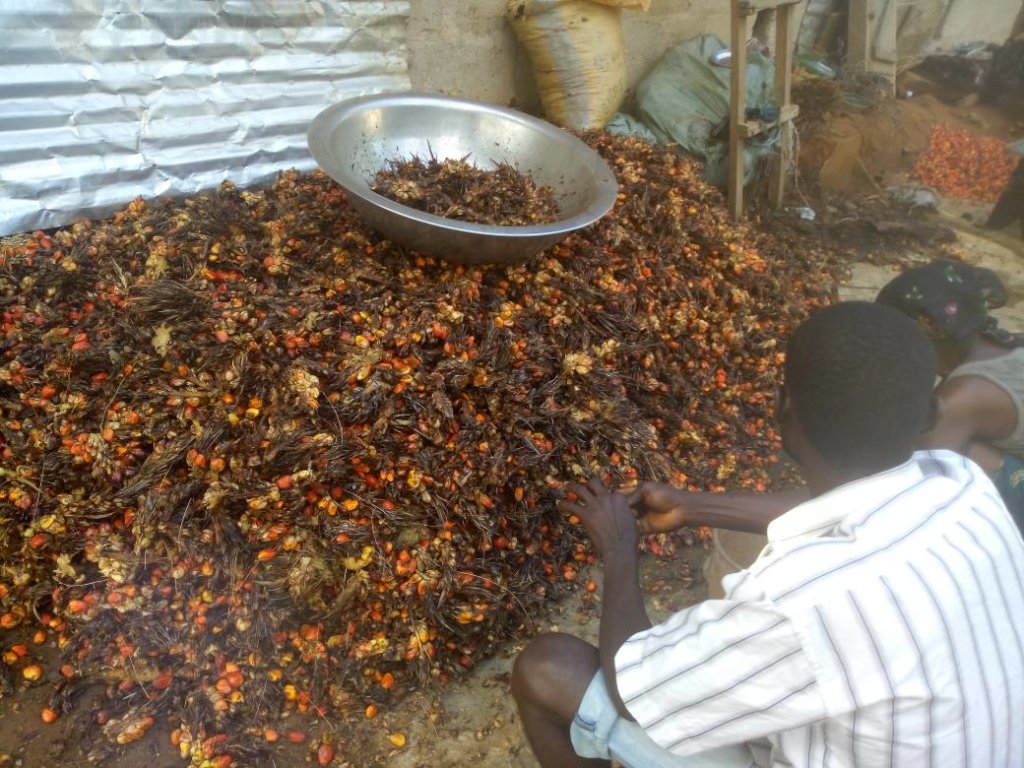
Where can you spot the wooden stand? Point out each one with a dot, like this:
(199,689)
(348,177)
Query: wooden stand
(741,129)
(871,38)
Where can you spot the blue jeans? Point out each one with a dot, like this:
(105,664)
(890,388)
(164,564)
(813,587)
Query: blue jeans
(1010,484)
(599,731)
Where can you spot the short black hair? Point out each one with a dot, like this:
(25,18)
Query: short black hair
(859,377)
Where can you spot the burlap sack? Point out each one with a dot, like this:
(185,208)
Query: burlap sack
(578,57)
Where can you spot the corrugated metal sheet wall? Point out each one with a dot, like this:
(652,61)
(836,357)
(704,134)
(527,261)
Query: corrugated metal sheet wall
(105,100)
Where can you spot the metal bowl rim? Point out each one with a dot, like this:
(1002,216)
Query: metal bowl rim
(604,200)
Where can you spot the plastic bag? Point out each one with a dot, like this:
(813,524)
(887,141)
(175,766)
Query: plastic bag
(626,125)
(578,57)
(685,100)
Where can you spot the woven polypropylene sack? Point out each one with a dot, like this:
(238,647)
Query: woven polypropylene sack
(578,58)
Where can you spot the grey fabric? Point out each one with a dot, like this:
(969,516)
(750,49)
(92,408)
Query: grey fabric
(1007,373)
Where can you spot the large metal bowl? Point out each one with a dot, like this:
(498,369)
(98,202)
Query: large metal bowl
(353,140)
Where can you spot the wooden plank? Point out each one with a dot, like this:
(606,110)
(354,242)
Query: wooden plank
(739,32)
(753,6)
(858,36)
(784,63)
(871,38)
(783,96)
(829,32)
(883,46)
(750,128)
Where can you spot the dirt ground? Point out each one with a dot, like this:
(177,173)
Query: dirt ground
(864,151)
(471,722)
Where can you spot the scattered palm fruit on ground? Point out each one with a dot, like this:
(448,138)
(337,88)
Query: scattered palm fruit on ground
(965,165)
(455,189)
(257,461)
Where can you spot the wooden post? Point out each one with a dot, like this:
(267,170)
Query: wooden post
(858,35)
(871,38)
(737,104)
(741,129)
(783,94)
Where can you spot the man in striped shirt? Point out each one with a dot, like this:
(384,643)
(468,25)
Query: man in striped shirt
(883,625)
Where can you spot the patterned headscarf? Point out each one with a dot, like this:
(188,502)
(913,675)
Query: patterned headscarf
(951,301)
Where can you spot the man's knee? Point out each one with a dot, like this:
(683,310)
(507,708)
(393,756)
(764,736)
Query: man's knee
(554,671)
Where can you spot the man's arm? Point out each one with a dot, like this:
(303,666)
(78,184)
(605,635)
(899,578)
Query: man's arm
(660,508)
(971,409)
(612,529)
(622,615)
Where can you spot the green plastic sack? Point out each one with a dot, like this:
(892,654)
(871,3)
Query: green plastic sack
(685,100)
(622,124)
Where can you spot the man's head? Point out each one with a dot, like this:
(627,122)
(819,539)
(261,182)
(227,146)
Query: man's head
(859,381)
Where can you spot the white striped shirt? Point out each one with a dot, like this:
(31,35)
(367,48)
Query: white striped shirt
(882,626)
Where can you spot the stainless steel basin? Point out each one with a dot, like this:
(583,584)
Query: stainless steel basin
(353,140)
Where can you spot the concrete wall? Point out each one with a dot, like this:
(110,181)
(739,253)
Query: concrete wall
(466,48)
(462,48)
(990,21)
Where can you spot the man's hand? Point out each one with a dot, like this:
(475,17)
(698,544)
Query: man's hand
(659,507)
(607,517)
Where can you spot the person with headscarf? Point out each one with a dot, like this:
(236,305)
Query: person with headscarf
(981,395)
